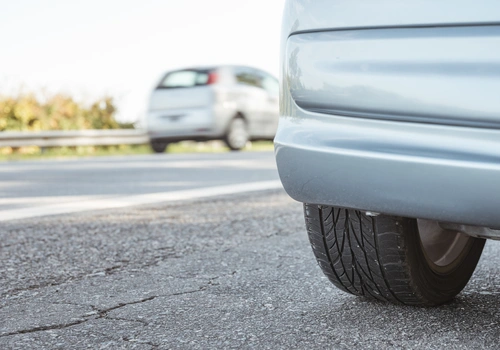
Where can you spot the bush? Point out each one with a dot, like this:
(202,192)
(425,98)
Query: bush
(59,112)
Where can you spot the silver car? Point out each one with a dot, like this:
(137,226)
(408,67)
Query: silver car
(390,134)
(231,103)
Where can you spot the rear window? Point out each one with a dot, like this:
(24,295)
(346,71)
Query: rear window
(184,79)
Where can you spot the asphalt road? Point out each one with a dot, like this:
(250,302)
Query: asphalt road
(234,271)
(132,174)
(34,188)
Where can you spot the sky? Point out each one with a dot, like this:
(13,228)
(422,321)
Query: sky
(120,48)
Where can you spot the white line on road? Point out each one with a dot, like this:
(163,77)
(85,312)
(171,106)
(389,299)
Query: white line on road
(126,201)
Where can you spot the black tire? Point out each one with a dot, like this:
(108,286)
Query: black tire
(382,257)
(236,136)
(158,146)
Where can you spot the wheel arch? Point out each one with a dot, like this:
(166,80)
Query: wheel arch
(237,114)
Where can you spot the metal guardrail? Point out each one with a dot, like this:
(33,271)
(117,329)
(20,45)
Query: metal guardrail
(73,138)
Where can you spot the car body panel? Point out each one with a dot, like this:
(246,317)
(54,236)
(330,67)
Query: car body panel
(195,97)
(389,167)
(379,73)
(414,153)
(181,122)
(320,15)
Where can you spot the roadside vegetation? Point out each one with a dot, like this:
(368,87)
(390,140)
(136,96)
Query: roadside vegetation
(28,112)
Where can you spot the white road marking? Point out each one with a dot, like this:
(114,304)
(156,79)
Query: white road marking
(125,201)
(170,164)
(45,200)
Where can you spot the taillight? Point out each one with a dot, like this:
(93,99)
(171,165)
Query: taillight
(212,78)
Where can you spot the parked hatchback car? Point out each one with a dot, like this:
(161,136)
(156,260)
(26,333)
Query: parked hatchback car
(390,134)
(231,103)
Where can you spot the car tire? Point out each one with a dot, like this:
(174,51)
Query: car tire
(389,258)
(158,146)
(236,136)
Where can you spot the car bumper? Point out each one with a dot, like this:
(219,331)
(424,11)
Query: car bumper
(444,173)
(396,115)
(185,124)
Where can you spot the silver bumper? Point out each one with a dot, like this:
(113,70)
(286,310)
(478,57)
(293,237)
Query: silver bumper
(444,173)
(392,111)
(415,170)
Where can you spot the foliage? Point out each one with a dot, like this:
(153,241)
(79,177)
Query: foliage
(58,112)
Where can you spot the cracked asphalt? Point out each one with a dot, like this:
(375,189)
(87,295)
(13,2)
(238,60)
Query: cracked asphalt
(229,272)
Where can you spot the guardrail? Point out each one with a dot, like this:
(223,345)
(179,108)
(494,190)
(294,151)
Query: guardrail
(73,138)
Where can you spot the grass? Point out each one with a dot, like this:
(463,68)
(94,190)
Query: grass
(24,153)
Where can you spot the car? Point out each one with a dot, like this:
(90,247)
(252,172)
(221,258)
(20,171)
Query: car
(389,133)
(235,104)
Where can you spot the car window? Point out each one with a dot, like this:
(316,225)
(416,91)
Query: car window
(247,77)
(184,78)
(270,84)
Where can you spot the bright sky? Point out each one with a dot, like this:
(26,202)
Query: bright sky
(121,47)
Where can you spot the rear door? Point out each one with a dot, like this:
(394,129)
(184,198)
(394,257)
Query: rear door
(253,99)
(271,107)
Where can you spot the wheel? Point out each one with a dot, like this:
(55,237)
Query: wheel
(389,258)
(158,146)
(237,134)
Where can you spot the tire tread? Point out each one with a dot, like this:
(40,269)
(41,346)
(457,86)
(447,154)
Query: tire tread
(347,246)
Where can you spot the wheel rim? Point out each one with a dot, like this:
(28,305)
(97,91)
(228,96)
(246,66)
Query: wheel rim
(238,135)
(444,249)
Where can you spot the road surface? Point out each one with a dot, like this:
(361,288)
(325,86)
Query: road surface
(231,271)
(37,188)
